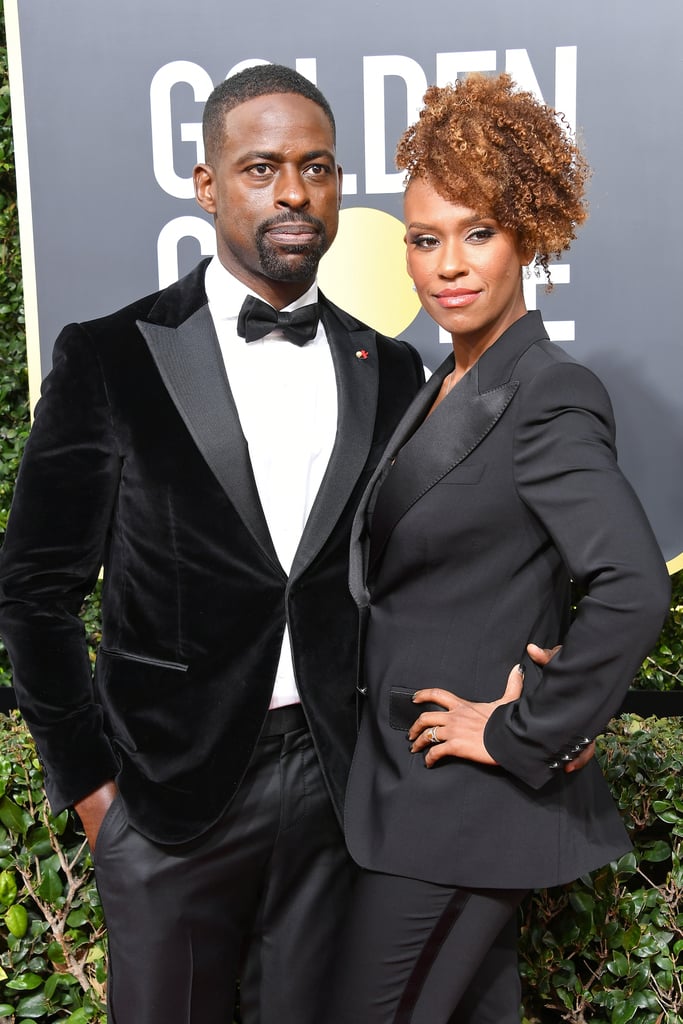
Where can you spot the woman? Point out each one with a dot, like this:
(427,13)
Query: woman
(499,486)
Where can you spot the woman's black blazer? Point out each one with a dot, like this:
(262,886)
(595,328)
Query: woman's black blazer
(463,551)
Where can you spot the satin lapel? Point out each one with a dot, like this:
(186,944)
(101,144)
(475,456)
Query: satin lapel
(357,386)
(189,361)
(446,437)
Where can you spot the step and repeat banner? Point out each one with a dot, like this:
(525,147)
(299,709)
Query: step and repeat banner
(107,102)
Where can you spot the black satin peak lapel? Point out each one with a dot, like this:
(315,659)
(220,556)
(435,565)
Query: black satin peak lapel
(190,364)
(445,438)
(357,381)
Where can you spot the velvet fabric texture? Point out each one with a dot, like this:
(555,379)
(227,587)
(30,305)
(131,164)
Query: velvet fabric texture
(137,462)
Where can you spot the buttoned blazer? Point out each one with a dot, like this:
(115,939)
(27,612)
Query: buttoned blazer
(463,549)
(137,462)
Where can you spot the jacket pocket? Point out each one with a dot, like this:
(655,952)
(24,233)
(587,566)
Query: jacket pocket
(402,711)
(175,666)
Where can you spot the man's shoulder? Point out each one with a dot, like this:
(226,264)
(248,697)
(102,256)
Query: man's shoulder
(168,306)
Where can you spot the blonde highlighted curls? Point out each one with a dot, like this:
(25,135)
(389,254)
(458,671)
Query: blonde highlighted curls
(486,145)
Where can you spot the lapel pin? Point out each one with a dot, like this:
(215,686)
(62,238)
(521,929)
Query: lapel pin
(361,354)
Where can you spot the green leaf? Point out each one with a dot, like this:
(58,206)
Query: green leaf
(628,864)
(38,843)
(80,1016)
(640,977)
(647,948)
(8,888)
(51,887)
(25,982)
(631,937)
(670,817)
(657,852)
(582,901)
(14,818)
(55,953)
(77,918)
(624,1012)
(16,920)
(618,965)
(60,822)
(664,980)
(51,985)
(32,1006)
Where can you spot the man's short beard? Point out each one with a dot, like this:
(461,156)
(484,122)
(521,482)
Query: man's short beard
(277,266)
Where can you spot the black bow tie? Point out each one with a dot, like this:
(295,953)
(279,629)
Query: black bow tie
(257,319)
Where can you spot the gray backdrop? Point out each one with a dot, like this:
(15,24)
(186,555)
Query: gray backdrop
(107,100)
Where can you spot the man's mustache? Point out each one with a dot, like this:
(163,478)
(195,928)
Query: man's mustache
(291,218)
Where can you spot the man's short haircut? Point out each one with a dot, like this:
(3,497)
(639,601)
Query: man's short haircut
(261,80)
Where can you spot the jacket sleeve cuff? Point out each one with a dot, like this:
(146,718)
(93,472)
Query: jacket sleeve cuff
(76,759)
(519,755)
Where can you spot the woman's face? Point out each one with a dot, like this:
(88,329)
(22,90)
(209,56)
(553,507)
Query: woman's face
(466,268)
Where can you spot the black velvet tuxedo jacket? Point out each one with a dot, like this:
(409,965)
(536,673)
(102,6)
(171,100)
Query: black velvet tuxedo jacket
(463,549)
(137,462)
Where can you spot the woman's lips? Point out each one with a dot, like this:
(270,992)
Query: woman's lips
(455,298)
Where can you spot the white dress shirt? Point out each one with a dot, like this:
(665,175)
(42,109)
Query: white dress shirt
(286,398)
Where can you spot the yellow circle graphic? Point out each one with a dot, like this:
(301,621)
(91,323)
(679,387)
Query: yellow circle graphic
(365,270)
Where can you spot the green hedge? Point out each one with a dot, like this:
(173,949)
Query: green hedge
(14,411)
(663,669)
(14,405)
(609,947)
(606,948)
(52,937)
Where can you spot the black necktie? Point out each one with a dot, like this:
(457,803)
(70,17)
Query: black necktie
(257,319)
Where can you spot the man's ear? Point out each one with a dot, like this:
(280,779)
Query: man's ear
(204,187)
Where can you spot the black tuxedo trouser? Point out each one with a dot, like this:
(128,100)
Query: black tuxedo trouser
(259,898)
(418,953)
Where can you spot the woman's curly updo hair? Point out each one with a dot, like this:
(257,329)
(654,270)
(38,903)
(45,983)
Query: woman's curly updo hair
(498,150)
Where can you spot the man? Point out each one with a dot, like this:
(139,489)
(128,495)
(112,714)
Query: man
(215,478)
(212,461)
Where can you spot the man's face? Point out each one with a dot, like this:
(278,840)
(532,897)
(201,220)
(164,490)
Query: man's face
(274,190)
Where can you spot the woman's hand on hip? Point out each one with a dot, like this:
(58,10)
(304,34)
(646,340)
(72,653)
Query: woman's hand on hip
(458,730)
